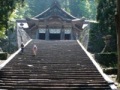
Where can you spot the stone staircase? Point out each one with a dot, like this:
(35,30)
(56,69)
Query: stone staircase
(59,65)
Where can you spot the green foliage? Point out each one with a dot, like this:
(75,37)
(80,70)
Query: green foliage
(3,55)
(107,59)
(37,6)
(6,9)
(96,42)
(106,17)
(84,8)
(110,71)
(22,12)
(78,8)
(2,31)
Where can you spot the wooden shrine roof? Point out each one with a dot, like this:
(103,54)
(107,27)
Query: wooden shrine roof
(55,16)
(55,10)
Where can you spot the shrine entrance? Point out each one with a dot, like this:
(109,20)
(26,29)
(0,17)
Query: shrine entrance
(41,34)
(55,34)
(67,36)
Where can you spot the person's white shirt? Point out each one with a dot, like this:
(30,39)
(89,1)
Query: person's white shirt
(34,50)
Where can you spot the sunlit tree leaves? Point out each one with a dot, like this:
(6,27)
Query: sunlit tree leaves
(6,9)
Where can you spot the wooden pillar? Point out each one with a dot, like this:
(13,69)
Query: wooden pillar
(37,34)
(62,35)
(47,33)
(73,30)
(72,34)
(118,38)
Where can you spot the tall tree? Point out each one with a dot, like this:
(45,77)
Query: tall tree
(106,17)
(64,4)
(22,12)
(6,9)
(118,38)
(84,8)
(38,6)
(92,9)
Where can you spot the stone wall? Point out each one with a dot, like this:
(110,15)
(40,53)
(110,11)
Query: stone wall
(84,36)
(22,36)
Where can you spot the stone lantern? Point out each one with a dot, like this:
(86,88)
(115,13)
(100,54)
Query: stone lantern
(107,40)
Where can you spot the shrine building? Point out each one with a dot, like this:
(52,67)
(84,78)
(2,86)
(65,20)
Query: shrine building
(53,24)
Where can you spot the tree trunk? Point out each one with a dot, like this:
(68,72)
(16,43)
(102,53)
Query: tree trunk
(118,38)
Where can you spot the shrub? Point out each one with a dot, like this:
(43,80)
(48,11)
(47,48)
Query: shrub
(96,43)
(3,55)
(106,59)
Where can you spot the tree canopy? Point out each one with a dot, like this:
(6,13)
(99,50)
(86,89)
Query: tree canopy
(7,7)
(106,17)
(78,8)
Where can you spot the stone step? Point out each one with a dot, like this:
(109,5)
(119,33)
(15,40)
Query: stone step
(59,65)
(53,88)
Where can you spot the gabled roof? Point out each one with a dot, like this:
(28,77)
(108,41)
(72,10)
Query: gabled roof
(55,10)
